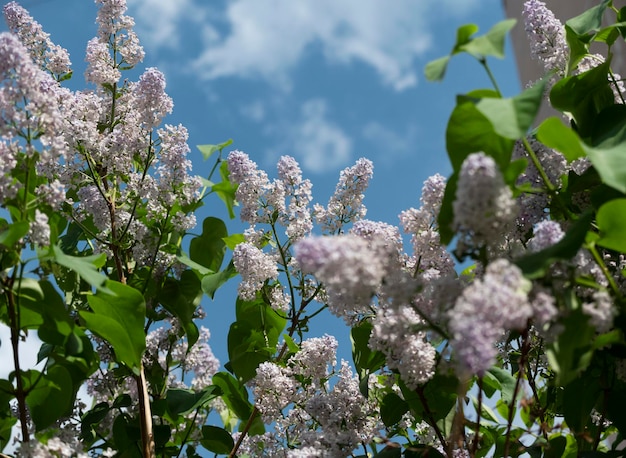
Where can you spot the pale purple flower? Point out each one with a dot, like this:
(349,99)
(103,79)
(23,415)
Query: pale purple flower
(315,357)
(484,208)
(546,35)
(396,334)
(39,232)
(297,217)
(487,308)
(130,49)
(349,269)
(254,186)
(150,99)
(601,311)
(255,268)
(8,161)
(346,204)
(101,68)
(546,234)
(44,53)
(274,389)
(432,194)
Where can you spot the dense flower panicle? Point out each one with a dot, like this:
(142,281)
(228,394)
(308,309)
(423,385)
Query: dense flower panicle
(45,54)
(255,268)
(491,305)
(274,389)
(395,333)
(39,233)
(546,35)
(297,215)
(346,204)
(432,194)
(383,238)
(545,234)
(101,68)
(349,269)
(315,357)
(150,99)
(601,311)
(8,161)
(254,188)
(484,208)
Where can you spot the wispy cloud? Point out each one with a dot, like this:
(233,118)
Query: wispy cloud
(388,144)
(316,141)
(268,38)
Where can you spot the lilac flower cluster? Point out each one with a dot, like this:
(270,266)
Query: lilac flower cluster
(491,305)
(546,35)
(325,421)
(484,208)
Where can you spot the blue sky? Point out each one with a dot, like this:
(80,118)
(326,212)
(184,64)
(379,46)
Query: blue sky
(326,81)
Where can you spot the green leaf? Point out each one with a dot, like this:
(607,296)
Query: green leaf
(469,131)
(233,240)
(435,70)
(181,297)
(208,248)
(571,353)
(610,164)
(611,221)
(445,219)
(13,233)
(212,282)
(579,399)
(441,393)
(365,359)
(50,396)
(208,150)
(392,408)
(85,266)
(554,134)
(511,118)
(119,318)
(217,440)
(491,43)
(181,402)
(235,397)
(226,190)
(536,264)
(584,96)
(590,20)
(506,382)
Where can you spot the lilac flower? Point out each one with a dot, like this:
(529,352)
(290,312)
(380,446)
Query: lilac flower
(346,204)
(101,68)
(484,209)
(274,389)
(255,268)
(44,53)
(150,99)
(297,217)
(406,349)
(432,194)
(486,309)
(546,35)
(601,311)
(39,233)
(546,234)
(350,270)
(315,357)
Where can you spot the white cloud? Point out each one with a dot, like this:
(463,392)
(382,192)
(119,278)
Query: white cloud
(159,23)
(314,140)
(28,350)
(267,38)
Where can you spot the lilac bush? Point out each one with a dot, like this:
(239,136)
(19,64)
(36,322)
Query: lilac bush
(521,351)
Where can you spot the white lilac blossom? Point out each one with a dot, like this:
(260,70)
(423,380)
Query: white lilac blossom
(101,68)
(345,417)
(39,233)
(297,215)
(274,389)
(432,194)
(396,334)
(44,53)
(255,268)
(253,189)
(484,208)
(346,204)
(350,270)
(150,99)
(491,305)
(546,35)
(545,234)
(601,311)
(315,357)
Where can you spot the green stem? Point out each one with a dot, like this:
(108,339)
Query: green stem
(600,262)
(483,62)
